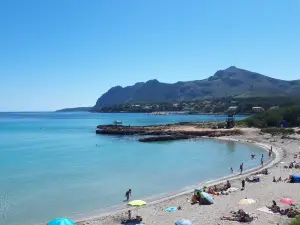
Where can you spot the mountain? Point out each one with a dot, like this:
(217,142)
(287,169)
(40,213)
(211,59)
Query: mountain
(229,82)
(77,109)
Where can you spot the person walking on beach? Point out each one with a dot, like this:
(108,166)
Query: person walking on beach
(128,194)
(243,184)
(241,167)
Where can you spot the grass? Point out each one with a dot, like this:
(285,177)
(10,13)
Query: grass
(295,221)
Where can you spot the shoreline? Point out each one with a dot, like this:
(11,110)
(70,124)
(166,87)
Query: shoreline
(278,155)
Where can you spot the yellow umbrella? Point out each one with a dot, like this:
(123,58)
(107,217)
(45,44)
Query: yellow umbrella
(137,203)
(246,201)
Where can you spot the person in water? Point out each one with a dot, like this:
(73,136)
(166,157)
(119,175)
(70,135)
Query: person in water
(128,194)
(241,167)
(252,156)
(231,170)
(262,161)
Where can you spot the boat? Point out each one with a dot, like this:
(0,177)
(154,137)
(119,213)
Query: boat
(118,122)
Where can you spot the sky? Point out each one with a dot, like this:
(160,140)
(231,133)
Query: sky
(66,53)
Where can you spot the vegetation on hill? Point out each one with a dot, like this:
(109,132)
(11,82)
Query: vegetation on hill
(221,106)
(288,116)
(232,82)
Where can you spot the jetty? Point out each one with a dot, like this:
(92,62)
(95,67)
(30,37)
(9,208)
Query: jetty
(166,132)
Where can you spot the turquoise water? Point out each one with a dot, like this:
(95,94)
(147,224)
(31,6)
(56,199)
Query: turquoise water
(53,164)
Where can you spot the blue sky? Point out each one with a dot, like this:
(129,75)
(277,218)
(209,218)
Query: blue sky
(66,53)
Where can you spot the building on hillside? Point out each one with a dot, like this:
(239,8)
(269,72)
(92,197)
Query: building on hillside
(257,109)
(274,108)
(232,109)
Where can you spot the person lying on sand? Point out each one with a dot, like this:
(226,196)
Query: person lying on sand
(194,200)
(253,180)
(239,216)
(278,180)
(290,179)
(264,172)
(274,208)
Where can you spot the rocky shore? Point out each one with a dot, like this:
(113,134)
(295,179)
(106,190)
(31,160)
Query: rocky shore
(166,132)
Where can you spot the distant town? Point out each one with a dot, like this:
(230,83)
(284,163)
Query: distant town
(212,106)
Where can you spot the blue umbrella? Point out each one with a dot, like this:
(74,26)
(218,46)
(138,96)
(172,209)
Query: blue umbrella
(171,209)
(208,197)
(61,221)
(183,222)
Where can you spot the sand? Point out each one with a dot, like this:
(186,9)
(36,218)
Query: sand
(263,192)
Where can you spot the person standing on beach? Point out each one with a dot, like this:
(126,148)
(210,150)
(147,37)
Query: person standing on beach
(128,194)
(243,184)
(241,167)
(270,152)
(129,214)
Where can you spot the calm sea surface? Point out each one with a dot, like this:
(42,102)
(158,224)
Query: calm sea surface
(53,164)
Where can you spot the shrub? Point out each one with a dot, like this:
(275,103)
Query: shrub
(278,131)
(274,118)
(221,125)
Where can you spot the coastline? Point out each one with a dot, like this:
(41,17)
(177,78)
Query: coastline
(105,215)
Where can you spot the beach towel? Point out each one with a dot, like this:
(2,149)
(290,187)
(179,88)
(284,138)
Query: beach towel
(171,209)
(267,210)
(232,189)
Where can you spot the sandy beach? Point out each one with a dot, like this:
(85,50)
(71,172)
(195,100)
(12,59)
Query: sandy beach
(262,192)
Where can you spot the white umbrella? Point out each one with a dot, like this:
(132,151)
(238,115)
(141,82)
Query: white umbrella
(246,201)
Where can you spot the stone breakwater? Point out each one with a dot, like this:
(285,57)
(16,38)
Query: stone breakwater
(165,132)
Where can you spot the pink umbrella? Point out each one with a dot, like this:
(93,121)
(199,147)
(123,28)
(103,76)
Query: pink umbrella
(287,201)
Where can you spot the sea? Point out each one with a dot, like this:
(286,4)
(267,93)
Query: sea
(55,165)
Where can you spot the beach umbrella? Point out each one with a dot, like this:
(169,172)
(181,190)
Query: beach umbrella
(246,201)
(287,201)
(183,222)
(61,221)
(137,203)
(171,209)
(208,197)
